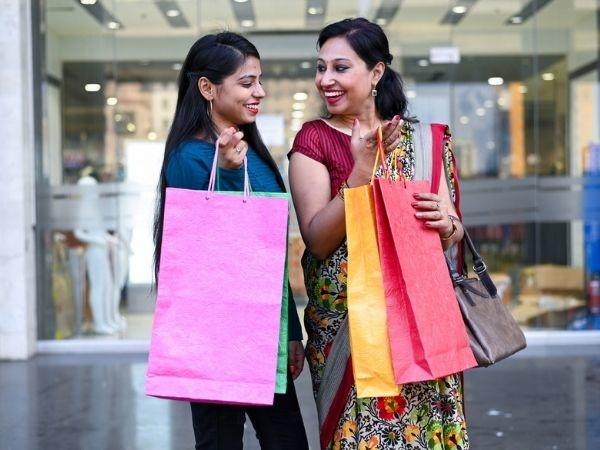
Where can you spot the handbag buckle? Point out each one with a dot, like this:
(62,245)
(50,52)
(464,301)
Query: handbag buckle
(480,267)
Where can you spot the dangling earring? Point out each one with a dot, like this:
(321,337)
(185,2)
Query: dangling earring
(374,91)
(210,108)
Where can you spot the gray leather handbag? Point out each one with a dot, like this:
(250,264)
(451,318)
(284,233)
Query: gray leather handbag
(493,332)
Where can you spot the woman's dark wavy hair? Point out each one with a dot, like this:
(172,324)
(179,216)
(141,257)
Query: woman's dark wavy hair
(370,43)
(214,56)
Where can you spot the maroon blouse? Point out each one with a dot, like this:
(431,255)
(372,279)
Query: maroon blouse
(329,146)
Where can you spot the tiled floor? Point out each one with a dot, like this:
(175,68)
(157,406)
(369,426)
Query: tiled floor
(547,398)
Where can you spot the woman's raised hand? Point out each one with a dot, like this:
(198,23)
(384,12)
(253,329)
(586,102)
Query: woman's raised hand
(392,134)
(232,149)
(364,148)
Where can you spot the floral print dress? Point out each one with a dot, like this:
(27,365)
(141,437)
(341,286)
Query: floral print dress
(426,415)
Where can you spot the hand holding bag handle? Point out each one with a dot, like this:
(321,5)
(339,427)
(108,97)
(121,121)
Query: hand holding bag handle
(213,174)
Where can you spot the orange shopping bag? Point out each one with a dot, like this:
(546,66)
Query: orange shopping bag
(369,341)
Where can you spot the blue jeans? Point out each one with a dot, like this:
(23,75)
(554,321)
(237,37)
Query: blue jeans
(277,427)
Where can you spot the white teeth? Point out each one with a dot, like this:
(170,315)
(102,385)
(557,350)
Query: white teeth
(252,107)
(333,93)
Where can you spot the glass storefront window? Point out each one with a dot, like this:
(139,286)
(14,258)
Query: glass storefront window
(520,94)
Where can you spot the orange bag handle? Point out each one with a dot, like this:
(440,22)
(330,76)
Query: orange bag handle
(380,155)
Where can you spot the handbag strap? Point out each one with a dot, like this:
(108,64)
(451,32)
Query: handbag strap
(479,267)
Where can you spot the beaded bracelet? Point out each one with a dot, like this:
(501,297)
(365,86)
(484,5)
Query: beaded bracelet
(340,192)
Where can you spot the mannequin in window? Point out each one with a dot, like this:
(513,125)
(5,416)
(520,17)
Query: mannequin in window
(99,272)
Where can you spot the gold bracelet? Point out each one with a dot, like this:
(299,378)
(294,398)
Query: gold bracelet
(454,229)
(340,192)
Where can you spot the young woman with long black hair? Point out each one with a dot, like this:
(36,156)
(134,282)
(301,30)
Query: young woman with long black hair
(219,96)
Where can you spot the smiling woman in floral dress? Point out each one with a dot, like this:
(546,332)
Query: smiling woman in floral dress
(362,93)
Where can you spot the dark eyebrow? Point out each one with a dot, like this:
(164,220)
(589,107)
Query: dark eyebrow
(249,76)
(336,60)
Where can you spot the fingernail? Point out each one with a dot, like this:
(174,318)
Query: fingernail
(416,195)
(414,204)
(419,214)
(355,121)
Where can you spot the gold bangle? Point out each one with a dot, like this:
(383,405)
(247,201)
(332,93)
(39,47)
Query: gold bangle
(340,192)
(454,229)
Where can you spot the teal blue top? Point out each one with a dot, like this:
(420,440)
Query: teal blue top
(189,167)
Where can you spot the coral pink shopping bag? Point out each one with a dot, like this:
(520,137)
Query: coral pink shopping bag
(428,338)
(216,324)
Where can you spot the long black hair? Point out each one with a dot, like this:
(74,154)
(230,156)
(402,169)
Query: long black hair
(214,56)
(370,43)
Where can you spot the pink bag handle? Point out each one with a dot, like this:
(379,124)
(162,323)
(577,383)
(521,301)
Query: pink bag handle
(213,174)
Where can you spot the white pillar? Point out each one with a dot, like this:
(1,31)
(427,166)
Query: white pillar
(17,183)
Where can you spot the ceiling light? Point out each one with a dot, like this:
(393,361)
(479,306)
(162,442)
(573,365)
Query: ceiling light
(480,112)
(177,66)
(300,96)
(523,89)
(548,76)
(173,13)
(314,11)
(92,87)
(240,1)
(464,120)
(87,2)
(247,23)
(488,104)
(152,136)
(113,25)
(501,101)
(459,9)
(299,106)
(118,117)
(516,20)
(411,94)
(130,127)
(111,101)
(381,21)
(297,114)
(305,65)
(496,81)
(423,62)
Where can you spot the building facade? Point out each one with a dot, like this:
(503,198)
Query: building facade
(88,92)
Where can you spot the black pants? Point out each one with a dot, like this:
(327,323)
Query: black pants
(278,427)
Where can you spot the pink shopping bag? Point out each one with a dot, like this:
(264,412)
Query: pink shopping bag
(216,324)
(428,338)
(427,334)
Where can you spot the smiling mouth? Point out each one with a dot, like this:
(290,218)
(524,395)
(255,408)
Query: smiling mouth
(253,107)
(333,94)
